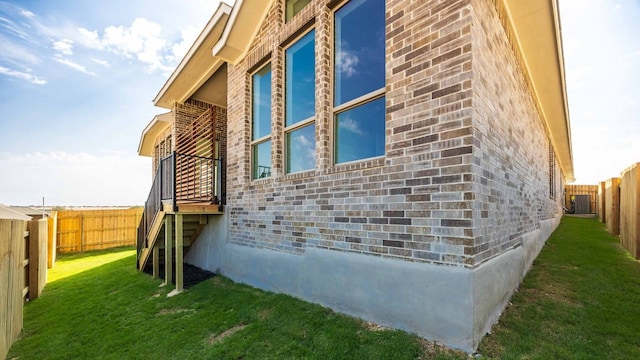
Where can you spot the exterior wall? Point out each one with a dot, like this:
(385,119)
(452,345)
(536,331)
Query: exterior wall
(467,176)
(415,204)
(511,165)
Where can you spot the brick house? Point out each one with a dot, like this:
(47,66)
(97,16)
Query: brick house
(399,161)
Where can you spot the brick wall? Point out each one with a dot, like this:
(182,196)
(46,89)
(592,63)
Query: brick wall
(456,185)
(511,146)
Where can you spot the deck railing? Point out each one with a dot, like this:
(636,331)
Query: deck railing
(181,178)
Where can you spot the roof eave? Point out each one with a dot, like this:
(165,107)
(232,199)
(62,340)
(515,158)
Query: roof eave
(158,124)
(538,34)
(242,27)
(176,90)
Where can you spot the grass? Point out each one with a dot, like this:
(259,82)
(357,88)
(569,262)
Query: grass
(579,301)
(97,305)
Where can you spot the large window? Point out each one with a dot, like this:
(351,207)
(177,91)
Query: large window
(261,123)
(300,104)
(293,7)
(359,80)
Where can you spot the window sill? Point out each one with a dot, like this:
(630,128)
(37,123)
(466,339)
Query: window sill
(261,181)
(357,165)
(299,175)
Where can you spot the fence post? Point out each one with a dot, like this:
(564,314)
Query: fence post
(12,265)
(37,257)
(81,232)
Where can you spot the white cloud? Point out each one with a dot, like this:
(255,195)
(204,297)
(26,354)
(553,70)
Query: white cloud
(303,141)
(29,76)
(142,41)
(73,65)
(179,50)
(64,46)
(101,62)
(17,54)
(26,13)
(348,63)
(90,39)
(351,125)
(105,178)
(617,7)
(13,29)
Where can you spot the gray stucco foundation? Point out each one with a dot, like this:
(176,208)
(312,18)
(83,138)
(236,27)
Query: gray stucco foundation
(452,305)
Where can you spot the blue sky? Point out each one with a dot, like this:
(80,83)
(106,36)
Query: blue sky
(77,79)
(76,83)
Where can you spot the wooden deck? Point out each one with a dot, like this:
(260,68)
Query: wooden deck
(194,208)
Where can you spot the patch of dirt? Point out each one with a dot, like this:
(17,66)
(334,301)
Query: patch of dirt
(549,289)
(553,292)
(264,314)
(192,275)
(434,350)
(371,326)
(174,311)
(225,334)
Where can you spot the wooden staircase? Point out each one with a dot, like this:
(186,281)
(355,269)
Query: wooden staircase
(177,231)
(188,187)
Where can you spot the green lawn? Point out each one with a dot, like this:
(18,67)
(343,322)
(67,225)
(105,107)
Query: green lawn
(580,300)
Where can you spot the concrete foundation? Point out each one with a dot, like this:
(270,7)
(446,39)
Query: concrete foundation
(452,305)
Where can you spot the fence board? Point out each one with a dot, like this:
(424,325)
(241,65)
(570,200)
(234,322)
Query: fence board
(52,224)
(83,230)
(38,234)
(612,202)
(591,190)
(630,210)
(12,280)
(602,207)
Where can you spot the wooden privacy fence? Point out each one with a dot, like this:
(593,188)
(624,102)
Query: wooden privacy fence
(83,230)
(630,210)
(23,273)
(591,190)
(620,199)
(612,205)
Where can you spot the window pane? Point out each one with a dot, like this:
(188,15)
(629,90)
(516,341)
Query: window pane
(262,160)
(300,80)
(359,49)
(261,103)
(301,149)
(294,7)
(360,132)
